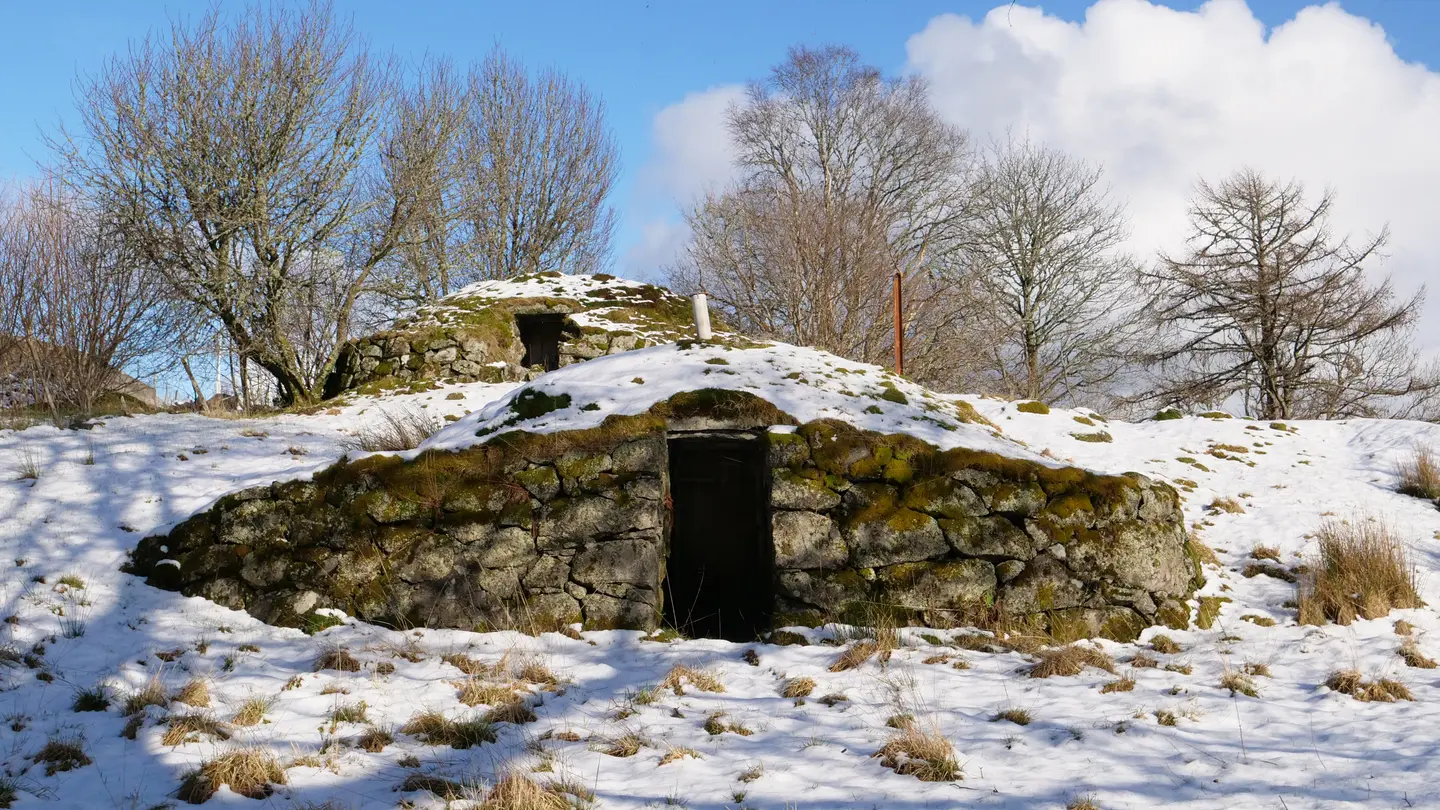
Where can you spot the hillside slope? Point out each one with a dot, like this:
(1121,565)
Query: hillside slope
(74,623)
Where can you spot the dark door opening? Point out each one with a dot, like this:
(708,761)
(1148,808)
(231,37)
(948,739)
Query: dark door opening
(718,578)
(541,333)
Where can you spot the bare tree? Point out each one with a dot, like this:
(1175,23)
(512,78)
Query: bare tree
(1050,282)
(258,162)
(535,164)
(78,310)
(1268,305)
(847,177)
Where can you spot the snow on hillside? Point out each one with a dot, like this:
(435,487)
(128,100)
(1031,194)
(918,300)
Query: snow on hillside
(72,622)
(806,383)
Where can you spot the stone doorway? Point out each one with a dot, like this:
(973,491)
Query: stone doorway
(719,576)
(541,334)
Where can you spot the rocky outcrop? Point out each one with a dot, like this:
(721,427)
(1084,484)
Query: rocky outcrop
(540,530)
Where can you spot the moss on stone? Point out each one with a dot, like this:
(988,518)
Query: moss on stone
(531,403)
(1173,614)
(1209,610)
(1033,406)
(1166,414)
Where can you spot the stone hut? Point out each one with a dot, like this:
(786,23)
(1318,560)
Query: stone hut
(511,330)
(712,511)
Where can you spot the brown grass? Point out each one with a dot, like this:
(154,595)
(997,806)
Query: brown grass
(516,792)
(1124,684)
(1070,660)
(1165,644)
(675,754)
(401,428)
(1419,473)
(1411,655)
(151,694)
(1352,683)
(855,655)
(797,688)
(679,675)
(626,745)
(61,754)
(1229,505)
(515,711)
(195,692)
(1082,803)
(444,789)
(715,725)
(337,658)
(1019,717)
(922,753)
(252,711)
(1144,661)
(475,692)
(375,740)
(434,728)
(466,664)
(1403,628)
(1256,670)
(1265,553)
(1237,682)
(1363,571)
(251,772)
(193,727)
(536,672)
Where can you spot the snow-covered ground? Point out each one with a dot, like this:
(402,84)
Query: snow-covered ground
(1296,745)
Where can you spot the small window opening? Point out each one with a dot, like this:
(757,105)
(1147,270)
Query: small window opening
(541,334)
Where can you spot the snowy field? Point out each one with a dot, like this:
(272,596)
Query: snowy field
(73,622)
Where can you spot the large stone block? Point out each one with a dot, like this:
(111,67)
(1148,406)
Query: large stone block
(791,491)
(903,535)
(953,585)
(1045,584)
(806,540)
(1149,556)
(987,537)
(634,562)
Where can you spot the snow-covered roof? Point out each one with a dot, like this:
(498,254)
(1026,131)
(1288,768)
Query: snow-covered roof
(806,383)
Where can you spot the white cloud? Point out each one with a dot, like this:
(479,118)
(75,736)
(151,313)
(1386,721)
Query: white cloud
(690,155)
(691,146)
(1161,97)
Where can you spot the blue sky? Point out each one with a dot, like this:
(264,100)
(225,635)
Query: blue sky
(642,58)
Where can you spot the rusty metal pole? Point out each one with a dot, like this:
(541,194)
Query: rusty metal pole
(899,331)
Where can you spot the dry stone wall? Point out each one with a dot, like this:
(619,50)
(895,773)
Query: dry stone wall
(863,522)
(536,531)
(530,533)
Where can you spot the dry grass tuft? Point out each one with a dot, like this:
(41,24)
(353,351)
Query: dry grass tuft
(375,740)
(1070,660)
(1419,474)
(922,753)
(444,789)
(1403,628)
(62,754)
(1124,684)
(251,772)
(855,655)
(195,692)
(516,792)
(1019,717)
(1363,571)
(337,658)
(536,672)
(1256,670)
(1265,553)
(1238,682)
(1144,661)
(797,688)
(1082,803)
(715,725)
(679,675)
(151,694)
(1165,644)
(516,711)
(626,745)
(350,713)
(1352,683)
(466,664)
(475,692)
(397,429)
(194,727)
(1229,505)
(1410,653)
(252,711)
(677,754)
(434,728)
